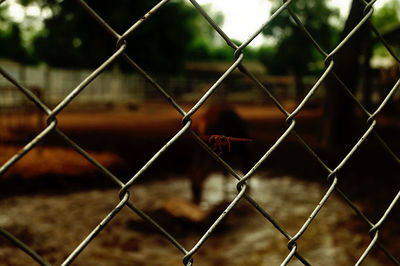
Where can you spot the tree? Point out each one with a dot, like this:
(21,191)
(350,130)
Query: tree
(10,39)
(387,16)
(11,44)
(338,130)
(385,19)
(71,38)
(293,50)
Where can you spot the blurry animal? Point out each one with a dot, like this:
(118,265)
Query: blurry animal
(225,132)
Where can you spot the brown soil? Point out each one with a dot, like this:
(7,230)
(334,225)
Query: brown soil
(52,198)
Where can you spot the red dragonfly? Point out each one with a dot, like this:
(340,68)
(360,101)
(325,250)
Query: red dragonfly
(217,142)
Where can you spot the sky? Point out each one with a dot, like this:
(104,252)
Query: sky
(241,17)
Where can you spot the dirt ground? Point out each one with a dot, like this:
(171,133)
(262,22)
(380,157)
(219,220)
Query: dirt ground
(52,198)
(54,225)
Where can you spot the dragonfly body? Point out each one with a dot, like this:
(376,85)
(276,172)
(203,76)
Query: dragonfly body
(217,142)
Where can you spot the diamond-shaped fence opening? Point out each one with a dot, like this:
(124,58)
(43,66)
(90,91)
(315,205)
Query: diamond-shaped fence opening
(301,233)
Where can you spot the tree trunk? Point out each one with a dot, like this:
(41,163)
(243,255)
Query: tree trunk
(338,128)
(367,73)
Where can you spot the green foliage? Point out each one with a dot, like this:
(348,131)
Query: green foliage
(206,50)
(11,45)
(10,39)
(71,38)
(387,16)
(199,50)
(292,50)
(2,15)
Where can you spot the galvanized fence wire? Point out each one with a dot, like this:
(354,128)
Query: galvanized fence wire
(126,193)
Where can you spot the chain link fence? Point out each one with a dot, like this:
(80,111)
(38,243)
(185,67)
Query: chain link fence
(127,189)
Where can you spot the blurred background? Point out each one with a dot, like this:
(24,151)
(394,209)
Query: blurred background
(51,46)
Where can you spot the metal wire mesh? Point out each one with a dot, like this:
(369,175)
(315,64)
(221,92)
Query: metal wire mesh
(128,187)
